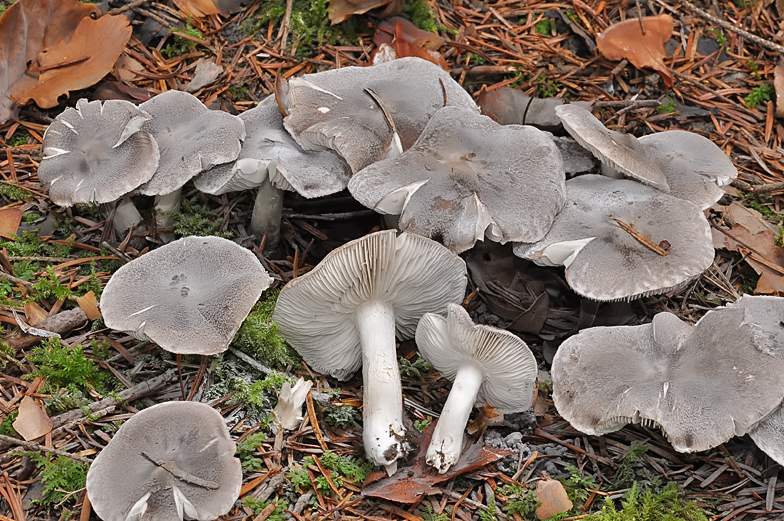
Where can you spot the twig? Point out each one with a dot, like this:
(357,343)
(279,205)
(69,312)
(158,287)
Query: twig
(172,468)
(751,37)
(126,7)
(696,83)
(31,445)
(283,34)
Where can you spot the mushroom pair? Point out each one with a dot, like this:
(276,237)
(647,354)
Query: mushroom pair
(189,296)
(173,461)
(346,312)
(700,384)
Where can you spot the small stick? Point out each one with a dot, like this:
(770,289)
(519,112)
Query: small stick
(639,16)
(443,89)
(277,100)
(180,474)
(383,109)
(645,241)
(31,445)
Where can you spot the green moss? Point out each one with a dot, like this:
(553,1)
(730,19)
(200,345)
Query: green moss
(257,505)
(430,515)
(194,218)
(179,45)
(19,138)
(720,37)
(65,367)
(546,87)
(260,338)
(49,286)
(545,27)
(757,202)
(354,469)
(624,476)
(664,506)
(519,500)
(342,416)
(7,424)
(246,452)
(26,245)
(576,485)
(61,477)
(666,106)
(759,94)
(415,369)
(421,15)
(421,425)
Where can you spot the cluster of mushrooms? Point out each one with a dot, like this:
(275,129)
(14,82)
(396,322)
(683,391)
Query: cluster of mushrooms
(409,142)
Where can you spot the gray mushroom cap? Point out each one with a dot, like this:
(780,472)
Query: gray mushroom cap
(96,153)
(621,152)
(701,385)
(189,296)
(191,138)
(605,262)
(269,150)
(576,159)
(509,366)
(467,176)
(314,311)
(333,110)
(172,445)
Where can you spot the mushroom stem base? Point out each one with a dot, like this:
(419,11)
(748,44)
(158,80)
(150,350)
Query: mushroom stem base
(267,211)
(165,208)
(383,432)
(447,441)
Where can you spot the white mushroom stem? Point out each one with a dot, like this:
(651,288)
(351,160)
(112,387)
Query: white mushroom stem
(383,431)
(447,441)
(126,215)
(165,208)
(267,211)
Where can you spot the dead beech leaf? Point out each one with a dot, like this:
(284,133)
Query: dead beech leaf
(202,8)
(89,305)
(552,495)
(26,29)
(80,62)
(34,313)
(342,10)
(10,218)
(626,40)
(409,484)
(488,416)
(32,422)
(399,38)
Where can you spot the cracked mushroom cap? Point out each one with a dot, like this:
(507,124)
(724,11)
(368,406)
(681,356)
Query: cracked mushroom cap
(467,177)
(269,150)
(96,153)
(605,262)
(701,385)
(315,311)
(509,366)
(694,166)
(334,110)
(189,296)
(171,461)
(191,138)
(620,152)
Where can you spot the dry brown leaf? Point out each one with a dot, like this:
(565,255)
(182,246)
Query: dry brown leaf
(32,422)
(750,230)
(127,67)
(488,416)
(342,10)
(778,83)
(34,313)
(26,29)
(552,495)
(399,38)
(89,305)
(626,40)
(202,8)
(10,218)
(80,62)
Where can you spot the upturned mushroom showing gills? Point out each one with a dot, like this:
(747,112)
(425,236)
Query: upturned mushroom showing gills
(189,296)
(485,363)
(357,111)
(344,315)
(97,152)
(700,384)
(468,177)
(620,239)
(172,461)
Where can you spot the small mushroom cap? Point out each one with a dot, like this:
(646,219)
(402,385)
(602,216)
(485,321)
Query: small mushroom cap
(189,296)
(191,138)
(333,110)
(189,437)
(605,262)
(267,144)
(95,153)
(509,366)
(694,166)
(315,311)
(466,176)
(621,152)
(702,385)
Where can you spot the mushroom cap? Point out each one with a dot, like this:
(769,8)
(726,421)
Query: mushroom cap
(333,110)
(190,435)
(509,366)
(465,174)
(191,138)
(605,262)
(189,296)
(694,166)
(702,385)
(621,152)
(413,273)
(95,153)
(576,159)
(311,174)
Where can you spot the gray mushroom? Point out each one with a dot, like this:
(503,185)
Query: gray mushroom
(191,138)
(701,385)
(606,262)
(346,109)
(189,296)
(96,153)
(485,363)
(344,315)
(468,177)
(174,460)
(272,161)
